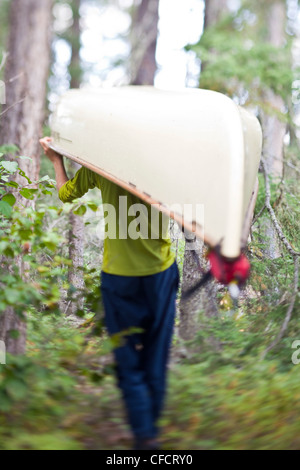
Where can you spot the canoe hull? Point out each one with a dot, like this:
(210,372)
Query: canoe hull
(194,153)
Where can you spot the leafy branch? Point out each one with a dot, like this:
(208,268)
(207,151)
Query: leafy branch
(289,310)
(295,255)
(7,199)
(12,106)
(272,214)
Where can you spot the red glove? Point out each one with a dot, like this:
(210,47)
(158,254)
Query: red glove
(227,271)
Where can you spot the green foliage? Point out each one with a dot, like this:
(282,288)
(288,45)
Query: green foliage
(237,64)
(47,396)
(255,68)
(22,235)
(221,395)
(38,391)
(57,440)
(250,408)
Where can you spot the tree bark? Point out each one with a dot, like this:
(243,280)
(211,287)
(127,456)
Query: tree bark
(204,299)
(26,76)
(214,9)
(144,42)
(75,64)
(274,129)
(76,223)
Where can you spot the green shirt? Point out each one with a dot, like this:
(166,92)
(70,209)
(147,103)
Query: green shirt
(137,241)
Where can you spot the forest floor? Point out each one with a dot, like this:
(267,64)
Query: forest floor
(104,417)
(63,395)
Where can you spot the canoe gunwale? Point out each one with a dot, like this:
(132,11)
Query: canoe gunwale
(188,226)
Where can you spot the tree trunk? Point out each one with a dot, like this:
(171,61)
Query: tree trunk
(75,64)
(76,223)
(205,299)
(26,76)
(273,129)
(144,41)
(214,9)
(26,79)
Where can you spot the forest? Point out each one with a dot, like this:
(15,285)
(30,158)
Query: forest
(234,368)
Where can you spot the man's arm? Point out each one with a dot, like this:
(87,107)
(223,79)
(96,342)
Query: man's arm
(68,189)
(58,163)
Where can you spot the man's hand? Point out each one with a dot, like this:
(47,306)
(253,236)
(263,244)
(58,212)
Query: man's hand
(51,154)
(57,160)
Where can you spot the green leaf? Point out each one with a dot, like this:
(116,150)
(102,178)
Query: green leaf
(93,206)
(11,167)
(22,157)
(3,245)
(14,334)
(5,209)
(51,246)
(12,184)
(25,235)
(28,193)
(9,252)
(43,269)
(5,402)
(9,148)
(10,199)
(22,173)
(80,211)
(16,389)
(10,295)
(45,178)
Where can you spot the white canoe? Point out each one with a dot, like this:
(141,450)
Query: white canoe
(184,150)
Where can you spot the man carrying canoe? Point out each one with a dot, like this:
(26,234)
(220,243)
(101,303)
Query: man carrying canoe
(139,283)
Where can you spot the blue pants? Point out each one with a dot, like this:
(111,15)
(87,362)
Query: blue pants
(146,302)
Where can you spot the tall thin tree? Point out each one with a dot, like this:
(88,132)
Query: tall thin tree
(214,9)
(194,261)
(274,129)
(144,42)
(26,76)
(76,223)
